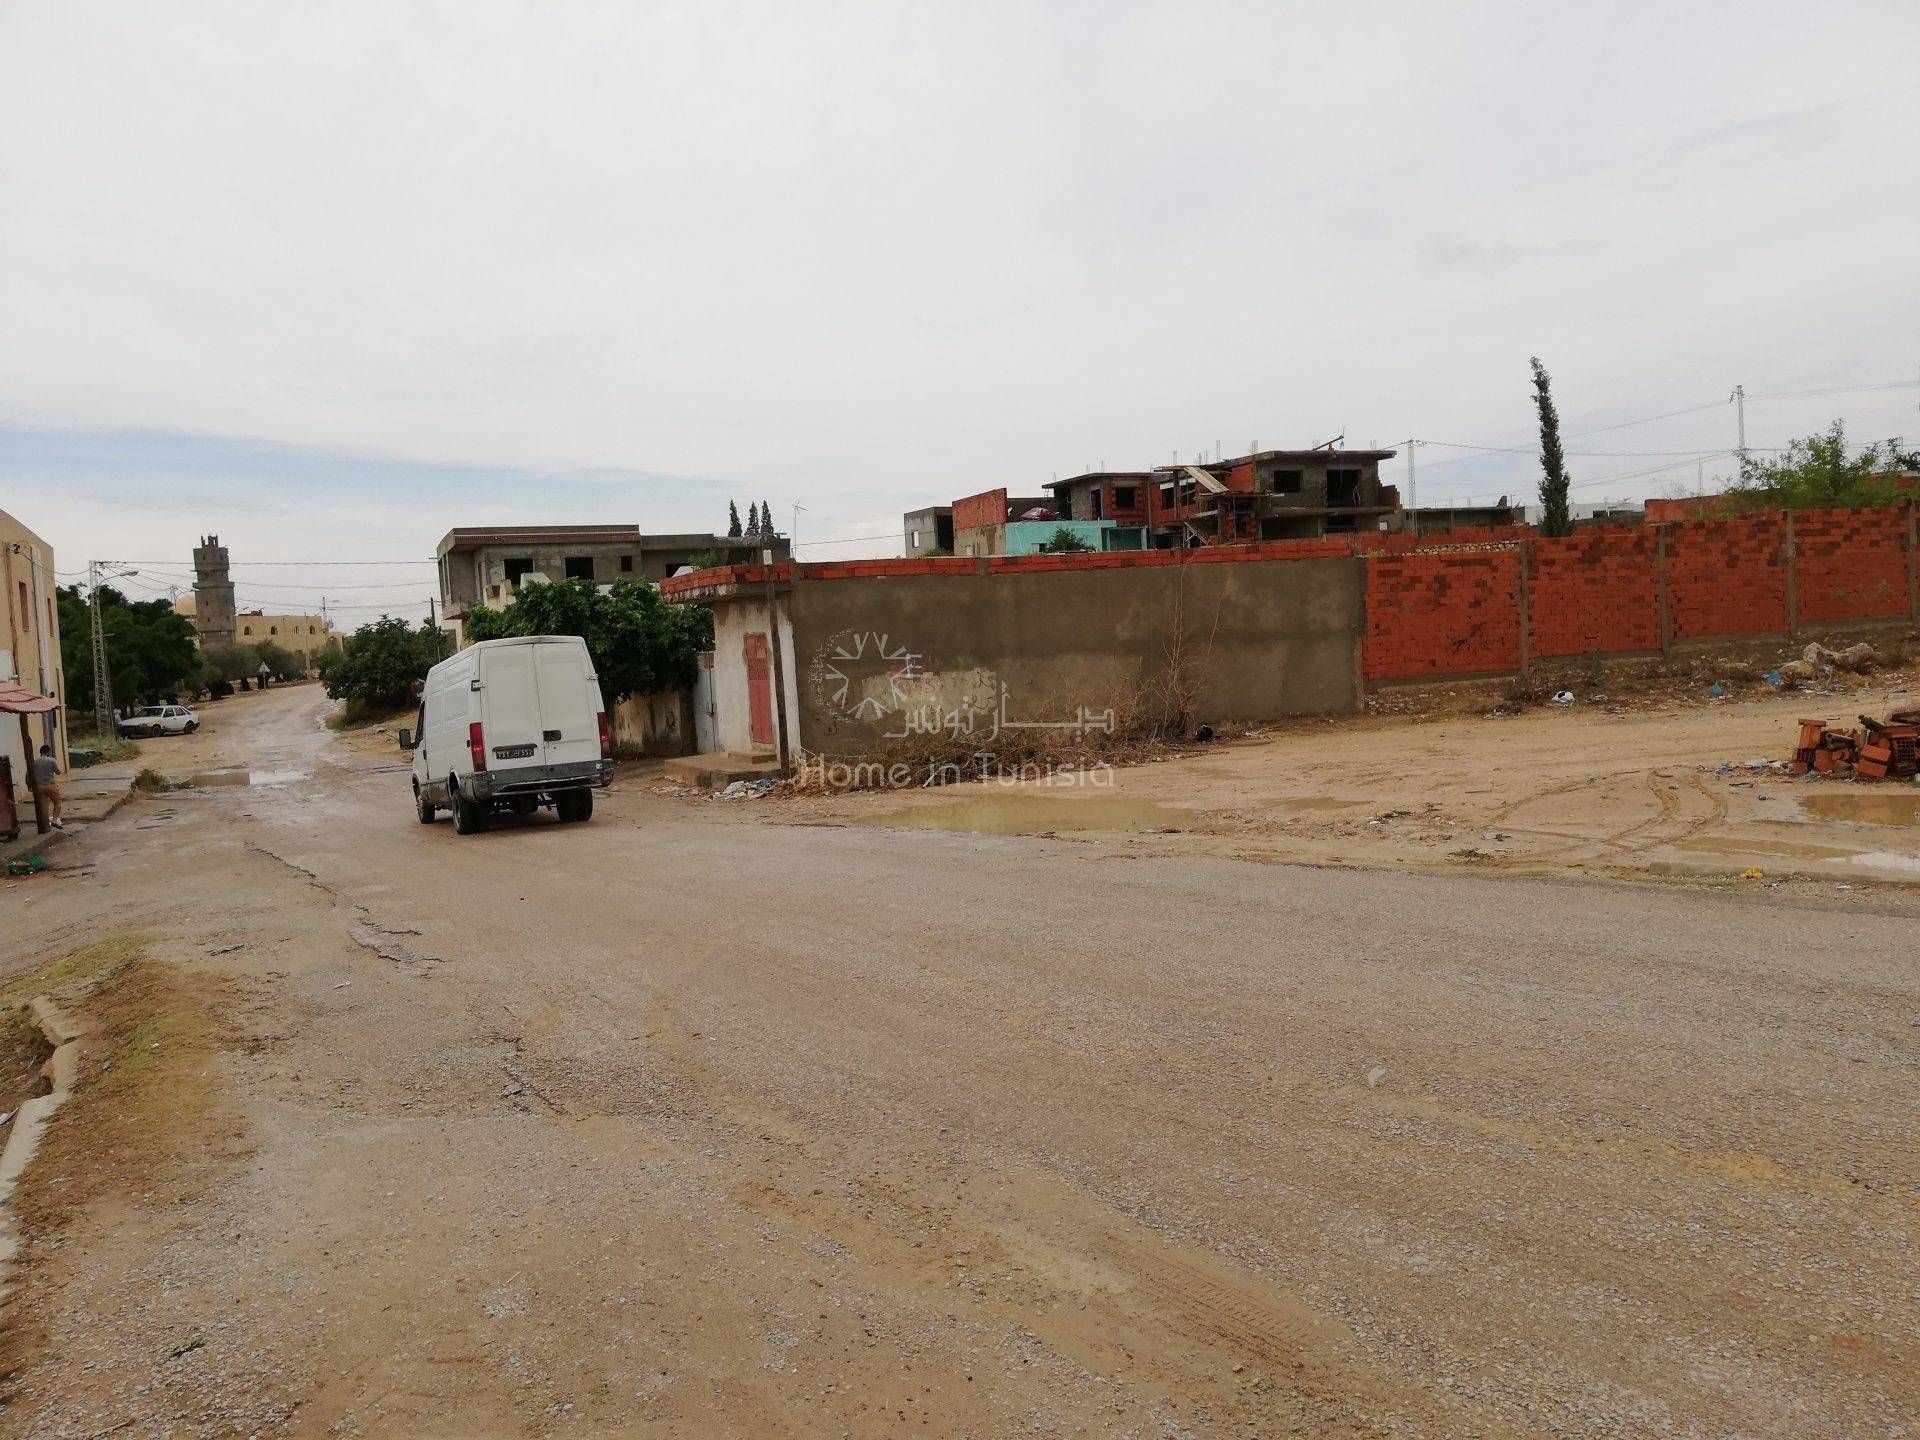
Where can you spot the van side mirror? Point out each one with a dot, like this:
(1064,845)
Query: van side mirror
(406,739)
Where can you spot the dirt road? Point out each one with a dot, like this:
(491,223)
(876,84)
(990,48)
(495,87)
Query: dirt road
(679,1123)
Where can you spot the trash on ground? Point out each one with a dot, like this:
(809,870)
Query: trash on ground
(1563,697)
(747,789)
(1753,872)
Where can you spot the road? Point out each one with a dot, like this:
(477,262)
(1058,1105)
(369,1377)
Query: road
(684,1123)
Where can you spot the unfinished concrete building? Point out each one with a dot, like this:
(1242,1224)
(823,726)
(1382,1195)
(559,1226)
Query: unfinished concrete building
(1270,495)
(487,566)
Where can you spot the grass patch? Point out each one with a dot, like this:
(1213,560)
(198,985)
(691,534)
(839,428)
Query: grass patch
(149,780)
(353,716)
(78,966)
(107,749)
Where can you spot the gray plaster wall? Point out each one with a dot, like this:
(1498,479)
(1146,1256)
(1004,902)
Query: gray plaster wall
(1267,640)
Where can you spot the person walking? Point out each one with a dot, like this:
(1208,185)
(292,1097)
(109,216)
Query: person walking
(46,779)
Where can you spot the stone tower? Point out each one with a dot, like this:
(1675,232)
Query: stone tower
(212,594)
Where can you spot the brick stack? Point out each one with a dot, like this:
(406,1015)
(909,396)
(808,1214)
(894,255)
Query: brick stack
(1824,749)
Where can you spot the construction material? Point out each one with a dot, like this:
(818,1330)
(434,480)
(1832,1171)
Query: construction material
(1876,751)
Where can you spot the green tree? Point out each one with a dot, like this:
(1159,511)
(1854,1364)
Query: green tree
(1817,472)
(227,662)
(1557,514)
(766,520)
(733,519)
(1064,542)
(640,644)
(375,669)
(150,649)
(281,662)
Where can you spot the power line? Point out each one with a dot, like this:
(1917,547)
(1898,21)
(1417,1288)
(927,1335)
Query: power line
(281,585)
(237,564)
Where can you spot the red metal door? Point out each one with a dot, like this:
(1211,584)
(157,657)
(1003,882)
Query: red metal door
(759,689)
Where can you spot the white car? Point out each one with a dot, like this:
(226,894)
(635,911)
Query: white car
(160,720)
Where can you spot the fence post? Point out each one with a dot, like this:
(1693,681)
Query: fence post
(1660,568)
(1793,579)
(1526,603)
(1913,559)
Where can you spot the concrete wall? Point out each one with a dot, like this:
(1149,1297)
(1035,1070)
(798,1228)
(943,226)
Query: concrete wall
(654,724)
(732,622)
(1267,639)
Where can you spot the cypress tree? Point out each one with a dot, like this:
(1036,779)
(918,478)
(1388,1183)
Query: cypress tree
(733,519)
(1556,516)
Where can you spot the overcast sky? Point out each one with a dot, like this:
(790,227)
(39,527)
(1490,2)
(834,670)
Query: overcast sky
(332,278)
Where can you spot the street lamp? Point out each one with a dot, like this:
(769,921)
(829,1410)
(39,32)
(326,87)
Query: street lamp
(99,571)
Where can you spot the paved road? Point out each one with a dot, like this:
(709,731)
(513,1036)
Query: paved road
(685,1123)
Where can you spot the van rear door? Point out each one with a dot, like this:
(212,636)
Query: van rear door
(569,702)
(510,706)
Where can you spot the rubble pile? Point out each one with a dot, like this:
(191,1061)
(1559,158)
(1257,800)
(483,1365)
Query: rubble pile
(1877,750)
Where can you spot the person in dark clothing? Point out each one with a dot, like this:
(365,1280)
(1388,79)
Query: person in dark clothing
(46,779)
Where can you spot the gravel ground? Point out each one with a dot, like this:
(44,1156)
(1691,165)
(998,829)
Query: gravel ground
(676,1123)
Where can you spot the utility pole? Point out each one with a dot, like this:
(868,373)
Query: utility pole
(1411,501)
(1739,398)
(779,666)
(102,681)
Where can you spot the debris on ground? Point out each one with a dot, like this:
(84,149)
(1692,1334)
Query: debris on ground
(747,789)
(1563,697)
(1876,751)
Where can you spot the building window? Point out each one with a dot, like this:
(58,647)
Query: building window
(914,543)
(1124,497)
(626,564)
(579,567)
(518,569)
(1288,482)
(246,629)
(1343,488)
(273,629)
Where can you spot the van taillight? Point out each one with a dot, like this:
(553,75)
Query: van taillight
(477,746)
(606,737)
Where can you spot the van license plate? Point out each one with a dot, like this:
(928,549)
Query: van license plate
(512,752)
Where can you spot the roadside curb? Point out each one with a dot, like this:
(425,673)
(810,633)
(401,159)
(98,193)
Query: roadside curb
(33,844)
(23,1139)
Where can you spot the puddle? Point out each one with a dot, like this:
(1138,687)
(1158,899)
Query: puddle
(217,777)
(1888,860)
(1023,814)
(1733,845)
(235,775)
(1870,807)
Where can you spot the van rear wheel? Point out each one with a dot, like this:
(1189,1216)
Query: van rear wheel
(573,805)
(469,818)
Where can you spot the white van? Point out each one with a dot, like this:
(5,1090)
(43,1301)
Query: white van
(510,725)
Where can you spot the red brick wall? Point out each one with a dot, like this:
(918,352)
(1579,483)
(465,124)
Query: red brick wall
(1449,604)
(1450,613)
(1727,577)
(1598,590)
(989,507)
(1849,564)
